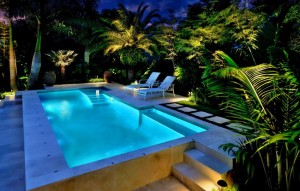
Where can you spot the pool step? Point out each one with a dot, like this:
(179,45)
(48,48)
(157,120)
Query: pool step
(95,98)
(169,123)
(98,99)
(200,171)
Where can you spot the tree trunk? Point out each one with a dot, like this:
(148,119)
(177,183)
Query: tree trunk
(62,72)
(36,61)
(12,60)
(86,63)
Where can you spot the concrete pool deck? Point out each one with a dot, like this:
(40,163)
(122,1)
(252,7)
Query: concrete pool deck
(12,166)
(40,172)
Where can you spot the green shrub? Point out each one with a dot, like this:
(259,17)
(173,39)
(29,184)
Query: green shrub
(93,80)
(3,94)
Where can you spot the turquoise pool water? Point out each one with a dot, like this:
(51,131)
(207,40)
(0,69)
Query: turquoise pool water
(91,126)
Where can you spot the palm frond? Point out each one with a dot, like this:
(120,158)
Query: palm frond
(224,56)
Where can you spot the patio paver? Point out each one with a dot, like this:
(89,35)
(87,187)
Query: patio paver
(173,105)
(219,120)
(187,109)
(202,114)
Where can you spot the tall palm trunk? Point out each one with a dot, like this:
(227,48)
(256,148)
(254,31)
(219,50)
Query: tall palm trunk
(12,60)
(62,72)
(36,61)
(86,62)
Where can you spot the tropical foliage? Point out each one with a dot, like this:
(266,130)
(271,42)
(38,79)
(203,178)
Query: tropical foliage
(62,58)
(264,103)
(130,35)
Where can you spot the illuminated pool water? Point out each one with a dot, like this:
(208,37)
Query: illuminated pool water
(91,126)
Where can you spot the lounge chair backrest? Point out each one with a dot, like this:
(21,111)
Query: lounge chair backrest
(152,78)
(165,85)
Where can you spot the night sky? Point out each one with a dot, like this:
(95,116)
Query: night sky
(179,6)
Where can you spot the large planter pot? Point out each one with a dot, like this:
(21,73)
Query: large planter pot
(49,78)
(107,76)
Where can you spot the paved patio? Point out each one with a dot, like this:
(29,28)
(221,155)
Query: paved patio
(12,171)
(12,167)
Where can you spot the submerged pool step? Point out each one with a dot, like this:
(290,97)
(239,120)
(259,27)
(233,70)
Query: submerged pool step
(169,123)
(98,99)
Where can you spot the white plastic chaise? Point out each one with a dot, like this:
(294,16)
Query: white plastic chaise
(162,88)
(144,83)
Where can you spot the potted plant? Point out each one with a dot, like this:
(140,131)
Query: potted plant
(49,78)
(107,76)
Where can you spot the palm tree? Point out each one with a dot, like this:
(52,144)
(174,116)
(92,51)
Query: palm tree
(62,58)
(266,106)
(36,60)
(130,35)
(9,7)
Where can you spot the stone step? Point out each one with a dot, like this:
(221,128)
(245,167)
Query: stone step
(169,183)
(192,178)
(216,153)
(213,168)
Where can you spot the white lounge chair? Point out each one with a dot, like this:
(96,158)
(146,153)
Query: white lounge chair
(144,83)
(162,88)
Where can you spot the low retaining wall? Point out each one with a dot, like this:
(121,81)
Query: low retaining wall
(125,176)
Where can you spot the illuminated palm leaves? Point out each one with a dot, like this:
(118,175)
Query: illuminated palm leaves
(62,57)
(247,92)
(126,38)
(130,32)
(267,103)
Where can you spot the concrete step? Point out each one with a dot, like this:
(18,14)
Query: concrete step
(192,178)
(216,153)
(169,183)
(213,168)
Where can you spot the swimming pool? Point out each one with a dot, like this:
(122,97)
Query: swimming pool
(90,125)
